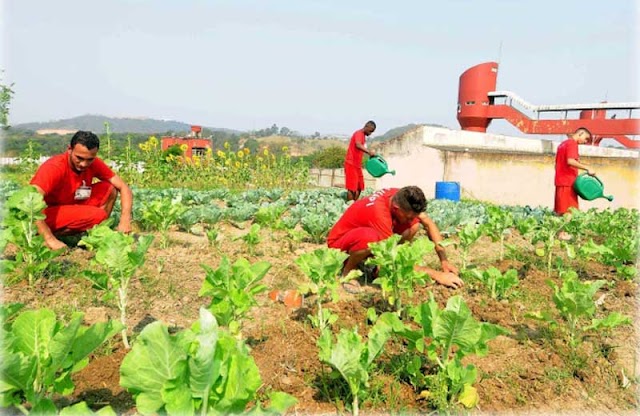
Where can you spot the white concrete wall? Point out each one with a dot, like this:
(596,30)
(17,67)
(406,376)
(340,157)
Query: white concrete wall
(502,169)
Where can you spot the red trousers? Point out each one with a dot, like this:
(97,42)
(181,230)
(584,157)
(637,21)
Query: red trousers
(566,198)
(356,239)
(85,214)
(353,178)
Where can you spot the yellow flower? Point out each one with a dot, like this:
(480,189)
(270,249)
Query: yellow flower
(220,153)
(209,150)
(143,146)
(184,147)
(227,145)
(266,151)
(240,154)
(285,149)
(238,165)
(153,141)
(246,150)
(264,167)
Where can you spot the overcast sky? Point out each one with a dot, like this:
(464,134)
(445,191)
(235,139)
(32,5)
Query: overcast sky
(325,65)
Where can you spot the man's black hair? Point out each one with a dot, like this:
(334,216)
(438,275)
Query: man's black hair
(411,198)
(85,138)
(586,130)
(372,123)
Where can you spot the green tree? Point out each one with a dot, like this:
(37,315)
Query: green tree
(6,94)
(329,158)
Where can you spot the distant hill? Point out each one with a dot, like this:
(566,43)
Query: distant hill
(398,131)
(95,123)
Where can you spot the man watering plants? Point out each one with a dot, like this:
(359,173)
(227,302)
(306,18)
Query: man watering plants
(377,217)
(74,202)
(567,165)
(353,176)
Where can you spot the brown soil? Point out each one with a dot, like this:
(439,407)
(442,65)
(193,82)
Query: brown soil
(524,372)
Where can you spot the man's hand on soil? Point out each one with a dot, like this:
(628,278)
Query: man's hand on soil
(448,267)
(448,279)
(55,244)
(124,228)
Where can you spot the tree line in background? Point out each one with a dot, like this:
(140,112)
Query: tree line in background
(29,145)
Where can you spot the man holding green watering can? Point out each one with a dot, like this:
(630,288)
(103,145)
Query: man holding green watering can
(353,176)
(567,165)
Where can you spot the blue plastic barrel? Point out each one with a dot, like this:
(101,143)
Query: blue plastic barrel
(448,190)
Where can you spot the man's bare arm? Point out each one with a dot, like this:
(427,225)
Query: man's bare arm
(50,240)
(126,203)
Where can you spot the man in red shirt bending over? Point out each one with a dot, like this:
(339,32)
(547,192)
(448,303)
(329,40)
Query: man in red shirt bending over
(377,217)
(74,202)
(567,165)
(353,176)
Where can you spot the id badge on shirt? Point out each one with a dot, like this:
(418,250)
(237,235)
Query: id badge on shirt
(83,192)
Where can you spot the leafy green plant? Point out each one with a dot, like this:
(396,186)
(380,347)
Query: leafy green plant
(351,358)
(397,273)
(498,226)
(468,236)
(575,304)
(323,267)
(446,337)
(202,370)
(497,284)
(212,236)
(117,259)
(270,215)
(252,238)
(23,208)
(317,226)
(161,214)
(546,232)
(233,289)
(39,354)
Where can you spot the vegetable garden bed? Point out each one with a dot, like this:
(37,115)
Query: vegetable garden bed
(533,366)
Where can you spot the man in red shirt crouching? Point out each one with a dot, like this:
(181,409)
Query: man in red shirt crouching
(74,202)
(377,217)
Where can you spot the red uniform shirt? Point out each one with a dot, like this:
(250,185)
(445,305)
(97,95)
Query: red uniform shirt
(354,155)
(59,181)
(565,174)
(371,212)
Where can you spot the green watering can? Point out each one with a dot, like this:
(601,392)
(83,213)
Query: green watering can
(590,188)
(377,167)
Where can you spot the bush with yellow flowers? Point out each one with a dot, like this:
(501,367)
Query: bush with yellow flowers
(225,167)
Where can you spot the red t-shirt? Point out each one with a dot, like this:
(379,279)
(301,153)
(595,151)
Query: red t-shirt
(565,174)
(373,211)
(354,155)
(401,228)
(59,181)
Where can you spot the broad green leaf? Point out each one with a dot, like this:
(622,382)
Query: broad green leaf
(203,368)
(612,320)
(456,326)
(33,330)
(155,359)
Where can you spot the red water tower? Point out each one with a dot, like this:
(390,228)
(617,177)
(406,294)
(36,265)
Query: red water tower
(473,99)
(196,146)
